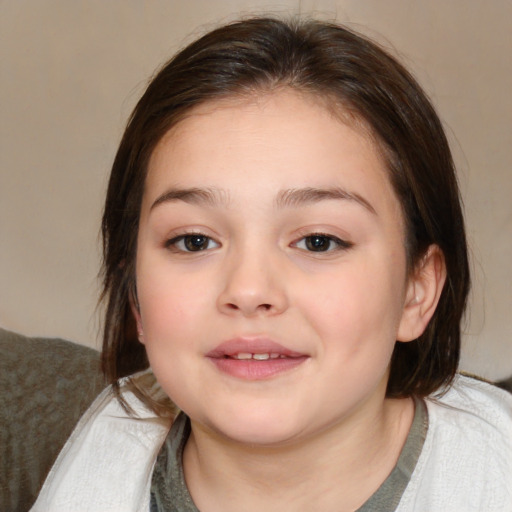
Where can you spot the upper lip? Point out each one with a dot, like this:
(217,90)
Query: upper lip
(249,345)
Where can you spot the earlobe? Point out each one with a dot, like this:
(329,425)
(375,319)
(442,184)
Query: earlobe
(134,306)
(422,295)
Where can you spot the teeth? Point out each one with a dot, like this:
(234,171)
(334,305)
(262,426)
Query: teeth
(243,355)
(261,357)
(257,357)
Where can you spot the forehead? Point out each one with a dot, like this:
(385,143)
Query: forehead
(284,139)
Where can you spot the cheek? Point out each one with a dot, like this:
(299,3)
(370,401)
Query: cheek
(168,309)
(167,294)
(172,315)
(358,307)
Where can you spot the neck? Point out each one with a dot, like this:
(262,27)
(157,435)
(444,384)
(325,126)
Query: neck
(336,469)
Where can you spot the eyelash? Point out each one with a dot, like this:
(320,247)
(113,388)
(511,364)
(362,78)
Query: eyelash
(172,244)
(340,244)
(202,243)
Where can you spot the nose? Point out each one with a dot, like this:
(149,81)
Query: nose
(254,285)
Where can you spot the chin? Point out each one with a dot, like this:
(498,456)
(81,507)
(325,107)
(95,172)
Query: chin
(263,436)
(255,427)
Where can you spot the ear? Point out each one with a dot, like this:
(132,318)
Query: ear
(134,306)
(424,288)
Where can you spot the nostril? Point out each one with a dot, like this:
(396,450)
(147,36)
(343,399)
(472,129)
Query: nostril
(234,307)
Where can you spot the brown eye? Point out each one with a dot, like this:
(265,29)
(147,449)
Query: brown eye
(196,242)
(193,242)
(318,242)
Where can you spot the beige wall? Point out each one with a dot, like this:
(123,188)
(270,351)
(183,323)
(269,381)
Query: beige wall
(72,70)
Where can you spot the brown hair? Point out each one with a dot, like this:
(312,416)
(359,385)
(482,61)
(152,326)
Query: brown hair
(328,61)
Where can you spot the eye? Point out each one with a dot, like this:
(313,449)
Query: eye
(318,242)
(193,242)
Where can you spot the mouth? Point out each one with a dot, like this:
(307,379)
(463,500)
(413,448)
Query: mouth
(245,356)
(254,358)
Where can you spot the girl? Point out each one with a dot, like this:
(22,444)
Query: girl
(284,252)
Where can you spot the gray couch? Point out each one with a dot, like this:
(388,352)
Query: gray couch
(45,386)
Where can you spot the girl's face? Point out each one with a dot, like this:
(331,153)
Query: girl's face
(271,269)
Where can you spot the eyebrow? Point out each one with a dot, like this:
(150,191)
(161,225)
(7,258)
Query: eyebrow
(195,195)
(300,196)
(289,198)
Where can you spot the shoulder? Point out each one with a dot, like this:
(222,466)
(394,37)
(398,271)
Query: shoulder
(108,442)
(466,461)
(473,421)
(475,407)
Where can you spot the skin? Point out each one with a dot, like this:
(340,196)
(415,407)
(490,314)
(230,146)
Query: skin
(322,435)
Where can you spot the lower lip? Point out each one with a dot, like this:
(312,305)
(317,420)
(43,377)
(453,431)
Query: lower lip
(250,369)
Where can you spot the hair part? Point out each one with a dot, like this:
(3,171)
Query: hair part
(355,78)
